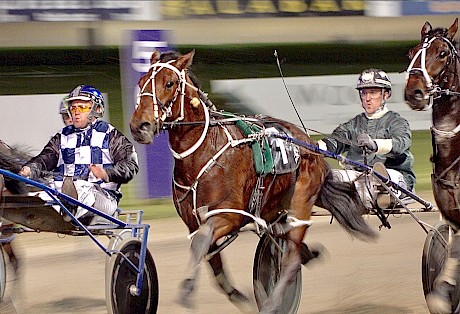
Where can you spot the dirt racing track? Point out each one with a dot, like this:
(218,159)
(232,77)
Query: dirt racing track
(66,275)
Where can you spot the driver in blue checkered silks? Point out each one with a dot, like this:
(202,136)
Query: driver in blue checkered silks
(379,137)
(89,159)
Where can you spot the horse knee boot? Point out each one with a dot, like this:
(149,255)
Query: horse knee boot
(440,299)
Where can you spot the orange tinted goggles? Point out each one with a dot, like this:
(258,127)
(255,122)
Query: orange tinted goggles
(80,108)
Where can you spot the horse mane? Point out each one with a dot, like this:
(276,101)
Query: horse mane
(441,32)
(12,159)
(438,31)
(173,55)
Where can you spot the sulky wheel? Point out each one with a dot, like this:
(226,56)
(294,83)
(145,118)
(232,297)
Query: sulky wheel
(122,281)
(266,272)
(434,255)
(2,273)
(114,242)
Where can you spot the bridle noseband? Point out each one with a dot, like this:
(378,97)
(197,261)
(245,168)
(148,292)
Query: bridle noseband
(165,108)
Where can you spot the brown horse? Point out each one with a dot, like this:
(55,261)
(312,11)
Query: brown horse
(11,159)
(216,186)
(433,81)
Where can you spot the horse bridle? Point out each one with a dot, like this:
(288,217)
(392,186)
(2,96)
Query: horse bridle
(433,89)
(167,108)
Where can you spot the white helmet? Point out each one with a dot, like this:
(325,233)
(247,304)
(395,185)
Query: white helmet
(374,78)
(63,106)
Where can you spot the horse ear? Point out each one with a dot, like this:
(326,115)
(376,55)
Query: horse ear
(426,29)
(186,60)
(452,29)
(155,56)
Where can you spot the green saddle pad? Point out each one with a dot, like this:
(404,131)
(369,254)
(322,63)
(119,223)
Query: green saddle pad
(263,159)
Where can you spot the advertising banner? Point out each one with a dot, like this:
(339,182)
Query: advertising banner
(77,10)
(430,7)
(259,8)
(156,161)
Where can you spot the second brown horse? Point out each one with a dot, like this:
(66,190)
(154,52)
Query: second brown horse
(215,172)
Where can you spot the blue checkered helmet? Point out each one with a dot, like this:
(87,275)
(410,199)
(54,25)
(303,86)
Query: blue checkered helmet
(87,92)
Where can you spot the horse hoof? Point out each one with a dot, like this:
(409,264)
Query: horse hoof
(317,253)
(241,302)
(186,290)
(267,311)
(185,302)
(438,304)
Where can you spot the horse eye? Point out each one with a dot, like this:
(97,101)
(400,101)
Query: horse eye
(169,84)
(443,54)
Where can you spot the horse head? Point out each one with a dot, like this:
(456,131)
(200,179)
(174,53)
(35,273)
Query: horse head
(433,66)
(162,92)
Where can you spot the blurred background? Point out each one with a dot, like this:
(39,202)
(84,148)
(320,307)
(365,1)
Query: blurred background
(49,47)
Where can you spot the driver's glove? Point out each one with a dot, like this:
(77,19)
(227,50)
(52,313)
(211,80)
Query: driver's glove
(365,141)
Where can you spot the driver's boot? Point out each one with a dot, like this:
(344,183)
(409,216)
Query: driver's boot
(439,301)
(68,188)
(383,198)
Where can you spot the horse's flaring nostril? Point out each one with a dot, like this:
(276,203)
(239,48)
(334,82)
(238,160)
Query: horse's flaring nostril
(418,95)
(145,126)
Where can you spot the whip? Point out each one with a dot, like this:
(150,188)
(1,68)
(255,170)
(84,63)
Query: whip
(289,95)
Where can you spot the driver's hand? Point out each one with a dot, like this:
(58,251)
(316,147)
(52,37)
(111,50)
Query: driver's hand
(364,140)
(99,173)
(25,171)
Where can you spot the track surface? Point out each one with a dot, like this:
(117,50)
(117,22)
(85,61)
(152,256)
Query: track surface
(66,275)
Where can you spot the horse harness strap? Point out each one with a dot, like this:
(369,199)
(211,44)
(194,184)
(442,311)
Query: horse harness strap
(441,135)
(257,194)
(200,141)
(449,184)
(212,161)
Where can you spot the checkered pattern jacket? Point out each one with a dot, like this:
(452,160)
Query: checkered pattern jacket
(71,151)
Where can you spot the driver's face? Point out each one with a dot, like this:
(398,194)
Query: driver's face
(80,110)
(372,98)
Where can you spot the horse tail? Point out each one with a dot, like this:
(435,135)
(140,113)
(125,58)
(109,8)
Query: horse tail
(342,200)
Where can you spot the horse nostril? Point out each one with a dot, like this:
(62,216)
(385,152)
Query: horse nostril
(145,126)
(418,95)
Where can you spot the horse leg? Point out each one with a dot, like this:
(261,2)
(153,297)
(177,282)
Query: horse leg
(440,299)
(306,190)
(236,297)
(199,246)
(291,265)
(308,254)
(11,256)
